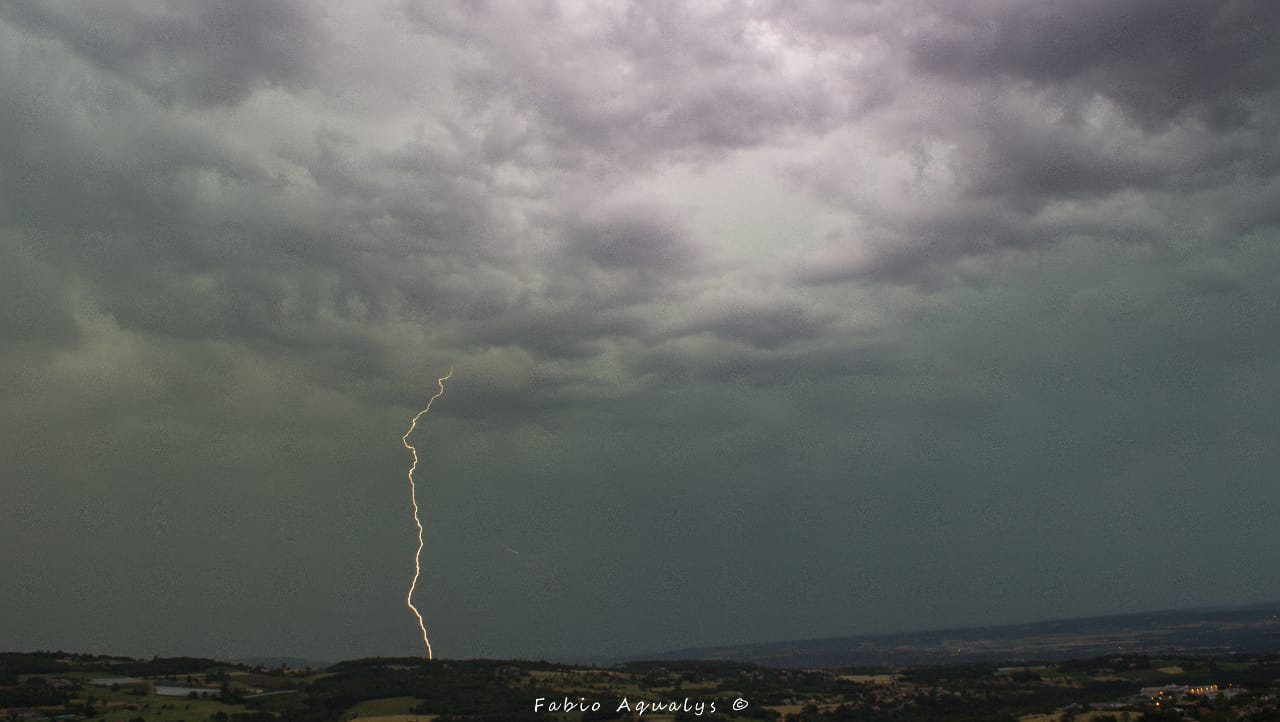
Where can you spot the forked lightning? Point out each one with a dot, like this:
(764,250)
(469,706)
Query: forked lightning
(413,496)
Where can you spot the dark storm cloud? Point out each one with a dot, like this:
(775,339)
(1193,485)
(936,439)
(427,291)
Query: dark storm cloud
(1214,279)
(198,53)
(765,367)
(569,333)
(35,310)
(1158,60)
(1029,123)
(417,195)
(185,232)
(642,82)
(107,160)
(638,238)
(760,324)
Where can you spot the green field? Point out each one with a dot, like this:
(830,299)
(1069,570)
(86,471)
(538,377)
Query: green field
(384,707)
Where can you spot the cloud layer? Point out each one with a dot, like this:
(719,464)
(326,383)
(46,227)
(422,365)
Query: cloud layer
(769,320)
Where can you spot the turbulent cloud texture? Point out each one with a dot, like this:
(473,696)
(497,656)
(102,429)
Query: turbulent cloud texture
(769,320)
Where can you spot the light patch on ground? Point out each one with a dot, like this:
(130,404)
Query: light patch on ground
(870,678)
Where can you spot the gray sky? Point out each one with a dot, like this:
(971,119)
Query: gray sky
(769,319)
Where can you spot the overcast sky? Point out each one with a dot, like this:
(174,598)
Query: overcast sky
(769,320)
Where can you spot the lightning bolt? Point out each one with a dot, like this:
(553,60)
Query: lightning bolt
(413,496)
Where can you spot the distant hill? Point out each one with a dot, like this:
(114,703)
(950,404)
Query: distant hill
(278,662)
(1214,630)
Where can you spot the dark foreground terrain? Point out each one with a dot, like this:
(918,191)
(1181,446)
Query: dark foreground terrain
(59,686)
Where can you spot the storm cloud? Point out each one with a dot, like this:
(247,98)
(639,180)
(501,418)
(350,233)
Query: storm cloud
(768,320)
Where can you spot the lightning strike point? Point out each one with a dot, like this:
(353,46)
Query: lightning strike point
(413,497)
